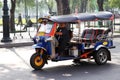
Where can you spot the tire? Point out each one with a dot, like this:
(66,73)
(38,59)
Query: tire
(101,56)
(36,61)
(76,61)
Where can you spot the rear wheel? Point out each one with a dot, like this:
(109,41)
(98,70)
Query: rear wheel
(76,61)
(37,61)
(101,56)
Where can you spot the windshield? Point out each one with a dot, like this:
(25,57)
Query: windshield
(46,28)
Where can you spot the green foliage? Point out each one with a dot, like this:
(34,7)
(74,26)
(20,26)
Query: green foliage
(92,6)
(106,5)
(114,3)
(50,3)
(74,4)
(29,3)
(46,6)
(0,4)
(42,4)
(18,2)
(1,21)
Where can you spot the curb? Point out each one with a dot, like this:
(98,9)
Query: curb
(116,36)
(10,45)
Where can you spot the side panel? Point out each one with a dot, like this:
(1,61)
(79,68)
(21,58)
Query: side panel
(81,47)
(49,48)
(98,45)
(39,45)
(46,47)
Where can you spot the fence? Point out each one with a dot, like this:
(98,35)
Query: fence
(30,32)
(21,32)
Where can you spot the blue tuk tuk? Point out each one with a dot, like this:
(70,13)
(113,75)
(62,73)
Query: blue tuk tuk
(93,43)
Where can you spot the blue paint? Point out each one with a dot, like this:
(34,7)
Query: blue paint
(41,43)
(81,46)
(97,44)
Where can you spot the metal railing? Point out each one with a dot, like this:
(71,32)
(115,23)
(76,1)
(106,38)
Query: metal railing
(21,32)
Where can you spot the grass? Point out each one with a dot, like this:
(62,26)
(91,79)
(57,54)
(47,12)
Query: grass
(1,21)
(24,21)
(16,21)
(116,31)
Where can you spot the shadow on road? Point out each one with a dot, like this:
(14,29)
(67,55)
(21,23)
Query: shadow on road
(14,72)
(72,72)
(64,72)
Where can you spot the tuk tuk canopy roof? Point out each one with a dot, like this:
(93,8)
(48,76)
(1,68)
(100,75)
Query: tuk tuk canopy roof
(81,17)
(64,18)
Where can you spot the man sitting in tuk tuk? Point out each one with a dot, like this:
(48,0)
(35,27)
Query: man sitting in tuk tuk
(63,37)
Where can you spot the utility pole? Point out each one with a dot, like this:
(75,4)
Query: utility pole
(6,34)
(37,13)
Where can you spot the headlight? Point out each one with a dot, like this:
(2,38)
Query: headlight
(49,39)
(37,39)
(105,43)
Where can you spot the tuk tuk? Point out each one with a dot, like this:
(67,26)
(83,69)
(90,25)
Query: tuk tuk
(90,43)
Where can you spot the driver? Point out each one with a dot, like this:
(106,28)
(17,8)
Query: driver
(63,37)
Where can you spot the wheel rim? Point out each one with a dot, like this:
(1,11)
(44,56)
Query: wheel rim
(102,57)
(38,61)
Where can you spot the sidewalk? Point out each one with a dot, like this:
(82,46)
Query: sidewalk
(116,35)
(17,43)
(18,40)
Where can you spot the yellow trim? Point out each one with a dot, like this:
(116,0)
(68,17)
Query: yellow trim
(40,33)
(105,43)
(38,61)
(40,20)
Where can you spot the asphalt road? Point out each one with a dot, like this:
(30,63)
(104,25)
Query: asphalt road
(14,65)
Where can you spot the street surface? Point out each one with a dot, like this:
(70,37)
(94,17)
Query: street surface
(14,65)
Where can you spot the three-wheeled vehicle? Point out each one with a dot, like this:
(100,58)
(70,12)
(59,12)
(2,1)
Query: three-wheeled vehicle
(93,43)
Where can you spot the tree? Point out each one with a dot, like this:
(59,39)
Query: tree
(74,4)
(100,5)
(12,11)
(114,3)
(107,5)
(0,4)
(50,5)
(27,6)
(100,8)
(66,8)
(63,7)
(83,5)
(92,6)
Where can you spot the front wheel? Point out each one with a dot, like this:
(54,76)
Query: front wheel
(101,56)
(37,61)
